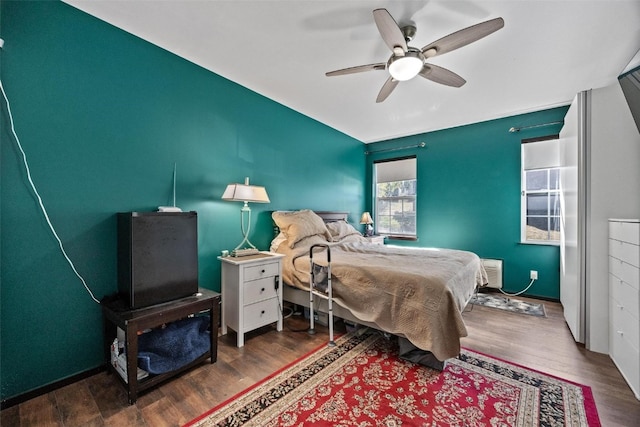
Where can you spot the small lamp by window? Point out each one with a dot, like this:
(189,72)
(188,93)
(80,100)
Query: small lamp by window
(245,193)
(367,220)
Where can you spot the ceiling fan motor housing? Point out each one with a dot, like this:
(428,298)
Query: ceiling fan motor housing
(409,32)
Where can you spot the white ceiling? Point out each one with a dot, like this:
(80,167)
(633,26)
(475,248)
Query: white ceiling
(546,53)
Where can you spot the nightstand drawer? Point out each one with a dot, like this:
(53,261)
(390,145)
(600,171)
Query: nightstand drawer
(262,270)
(258,290)
(260,314)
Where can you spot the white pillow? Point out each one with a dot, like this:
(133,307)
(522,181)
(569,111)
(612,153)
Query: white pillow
(341,229)
(275,243)
(298,225)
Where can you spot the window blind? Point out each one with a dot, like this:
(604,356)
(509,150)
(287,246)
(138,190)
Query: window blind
(396,170)
(541,154)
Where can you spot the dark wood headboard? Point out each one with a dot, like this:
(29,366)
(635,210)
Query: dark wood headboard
(332,216)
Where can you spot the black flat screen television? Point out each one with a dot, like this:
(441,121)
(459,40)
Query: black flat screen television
(157,257)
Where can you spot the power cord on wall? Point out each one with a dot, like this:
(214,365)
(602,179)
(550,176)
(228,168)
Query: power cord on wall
(521,292)
(35,191)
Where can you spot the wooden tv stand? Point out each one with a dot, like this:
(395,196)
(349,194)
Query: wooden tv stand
(116,315)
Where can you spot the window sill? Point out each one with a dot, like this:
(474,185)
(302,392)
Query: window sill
(541,243)
(392,237)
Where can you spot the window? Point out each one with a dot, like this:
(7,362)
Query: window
(395,197)
(542,199)
(540,191)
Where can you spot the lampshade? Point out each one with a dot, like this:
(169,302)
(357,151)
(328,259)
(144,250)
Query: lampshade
(245,193)
(406,67)
(366,218)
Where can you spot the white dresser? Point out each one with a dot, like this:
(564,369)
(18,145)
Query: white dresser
(624,299)
(251,292)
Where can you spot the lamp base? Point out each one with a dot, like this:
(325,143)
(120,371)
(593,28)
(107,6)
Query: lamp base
(245,248)
(244,252)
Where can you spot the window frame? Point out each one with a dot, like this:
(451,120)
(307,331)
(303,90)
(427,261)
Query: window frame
(552,194)
(412,199)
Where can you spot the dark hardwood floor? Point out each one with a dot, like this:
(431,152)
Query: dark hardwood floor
(544,344)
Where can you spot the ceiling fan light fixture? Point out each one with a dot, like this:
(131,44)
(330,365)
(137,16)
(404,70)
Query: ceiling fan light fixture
(406,67)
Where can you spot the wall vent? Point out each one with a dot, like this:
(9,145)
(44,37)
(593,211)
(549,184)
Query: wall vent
(493,267)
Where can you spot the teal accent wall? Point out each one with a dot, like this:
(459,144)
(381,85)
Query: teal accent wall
(469,195)
(102,117)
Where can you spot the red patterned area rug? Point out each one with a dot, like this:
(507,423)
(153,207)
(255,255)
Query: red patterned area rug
(362,382)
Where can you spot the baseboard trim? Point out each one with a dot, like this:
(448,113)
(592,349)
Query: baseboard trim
(16,400)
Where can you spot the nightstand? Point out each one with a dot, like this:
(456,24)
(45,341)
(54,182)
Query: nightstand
(251,292)
(376,240)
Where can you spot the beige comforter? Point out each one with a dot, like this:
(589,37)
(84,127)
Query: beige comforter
(413,292)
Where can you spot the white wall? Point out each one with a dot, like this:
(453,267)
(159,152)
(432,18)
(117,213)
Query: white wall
(614,193)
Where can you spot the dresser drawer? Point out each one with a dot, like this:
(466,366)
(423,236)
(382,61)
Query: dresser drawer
(625,231)
(626,326)
(258,290)
(625,251)
(627,359)
(624,297)
(625,271)
(263,270)
(260,314)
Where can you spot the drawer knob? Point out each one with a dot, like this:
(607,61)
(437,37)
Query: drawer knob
(620,333)
(263,271)
(262,290)
(262,312)
(620,306)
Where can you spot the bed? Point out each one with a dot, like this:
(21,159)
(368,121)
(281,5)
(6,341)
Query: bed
(415,293)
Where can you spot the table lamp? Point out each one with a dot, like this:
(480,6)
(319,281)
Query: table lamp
(245,193)
(366,219)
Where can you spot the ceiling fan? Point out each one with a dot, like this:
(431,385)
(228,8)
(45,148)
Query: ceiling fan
(406,62)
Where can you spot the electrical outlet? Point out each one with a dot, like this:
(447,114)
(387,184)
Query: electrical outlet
(534,275)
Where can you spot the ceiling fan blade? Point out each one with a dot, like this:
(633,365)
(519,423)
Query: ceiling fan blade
(462,37)
(389,30)
(358,69)
(441,75)
(387,88)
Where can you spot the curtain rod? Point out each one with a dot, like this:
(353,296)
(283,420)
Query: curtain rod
(421,145)
(518,129)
